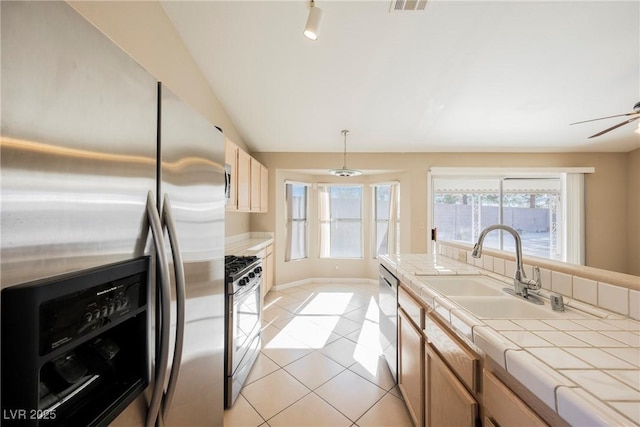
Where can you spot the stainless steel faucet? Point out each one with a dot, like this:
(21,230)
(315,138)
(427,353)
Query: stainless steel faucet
(521,284)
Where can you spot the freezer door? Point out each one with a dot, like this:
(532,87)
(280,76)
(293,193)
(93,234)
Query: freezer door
(78,145)
(192,154)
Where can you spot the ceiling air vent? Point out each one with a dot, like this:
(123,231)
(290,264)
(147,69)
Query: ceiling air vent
(407,5)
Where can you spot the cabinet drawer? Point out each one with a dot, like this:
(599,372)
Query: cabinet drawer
(504,408)
(461,360)
(413,309)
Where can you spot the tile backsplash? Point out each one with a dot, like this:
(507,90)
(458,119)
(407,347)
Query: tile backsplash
(578,285)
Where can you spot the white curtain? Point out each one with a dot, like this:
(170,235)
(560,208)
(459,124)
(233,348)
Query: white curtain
(392,232)
(324,205)
(575,224)
(288,200)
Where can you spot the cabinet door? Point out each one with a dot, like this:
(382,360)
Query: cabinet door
(504,408)
(231,159)
(255,185)
(411,367)
(244,180)
(264,189)
(448,403)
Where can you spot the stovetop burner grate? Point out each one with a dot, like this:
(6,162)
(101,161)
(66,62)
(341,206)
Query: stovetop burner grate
(237,266)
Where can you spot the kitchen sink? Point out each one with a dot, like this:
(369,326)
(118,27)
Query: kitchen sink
(485,298)
(465,285)
(510,307)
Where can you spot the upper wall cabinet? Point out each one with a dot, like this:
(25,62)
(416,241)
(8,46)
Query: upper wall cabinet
(249,181)
(264,188)
(231,159)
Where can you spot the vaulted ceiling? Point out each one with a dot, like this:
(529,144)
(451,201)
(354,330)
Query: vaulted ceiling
(481,76)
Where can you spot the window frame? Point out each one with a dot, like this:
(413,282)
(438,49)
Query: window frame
(572,199)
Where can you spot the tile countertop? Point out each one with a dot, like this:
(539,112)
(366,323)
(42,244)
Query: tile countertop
(247,244)
(587,370)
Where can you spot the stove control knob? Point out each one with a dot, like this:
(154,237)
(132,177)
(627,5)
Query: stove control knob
(252,275)
(242,281)
(104,311)
(96,314)
(88,317)
(258,270)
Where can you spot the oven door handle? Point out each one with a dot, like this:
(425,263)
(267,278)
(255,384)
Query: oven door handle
(178,266)
(163,317)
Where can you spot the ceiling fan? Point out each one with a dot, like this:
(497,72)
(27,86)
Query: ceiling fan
(635,116)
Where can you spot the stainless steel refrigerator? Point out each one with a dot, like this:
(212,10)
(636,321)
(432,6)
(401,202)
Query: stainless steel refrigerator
(93,152)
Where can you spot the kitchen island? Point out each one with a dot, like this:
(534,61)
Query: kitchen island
(580,367)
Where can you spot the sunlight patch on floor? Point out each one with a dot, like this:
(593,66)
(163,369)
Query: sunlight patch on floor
(283,340)
(328,303)
(312,332)
(373,311)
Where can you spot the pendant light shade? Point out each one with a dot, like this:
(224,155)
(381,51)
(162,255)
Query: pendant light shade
(313,22)
(345,171)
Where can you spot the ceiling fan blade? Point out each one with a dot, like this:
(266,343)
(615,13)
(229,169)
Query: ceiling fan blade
(615,127)
(608,117)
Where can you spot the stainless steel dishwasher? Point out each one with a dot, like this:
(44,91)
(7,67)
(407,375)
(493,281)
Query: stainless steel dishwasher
(388,306)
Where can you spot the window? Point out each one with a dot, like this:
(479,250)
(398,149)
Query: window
(340,221)
(546,209)
(386,222)
(296,200)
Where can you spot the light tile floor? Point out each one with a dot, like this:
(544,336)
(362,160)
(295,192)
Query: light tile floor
(320,363)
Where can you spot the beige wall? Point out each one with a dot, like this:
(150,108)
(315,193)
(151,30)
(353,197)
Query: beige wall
(606,193)
(144,31)
(633,216)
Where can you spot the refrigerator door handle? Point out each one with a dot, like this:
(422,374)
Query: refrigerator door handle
(178,265)
(163,292)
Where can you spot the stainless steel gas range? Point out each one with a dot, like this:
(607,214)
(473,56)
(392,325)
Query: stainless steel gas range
(243,321)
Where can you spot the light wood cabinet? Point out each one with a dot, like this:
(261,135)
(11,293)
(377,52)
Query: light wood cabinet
(264,189)
(411,367)
(436,371)
(462,361)
(259,187)
(249,181)
(503,408)
(447,401)
(442,381)
(411,307)
(267,270)
(255,185)
(231,159)
(244,181)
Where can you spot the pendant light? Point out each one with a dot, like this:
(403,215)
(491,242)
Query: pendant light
(313,22)
(344,171)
